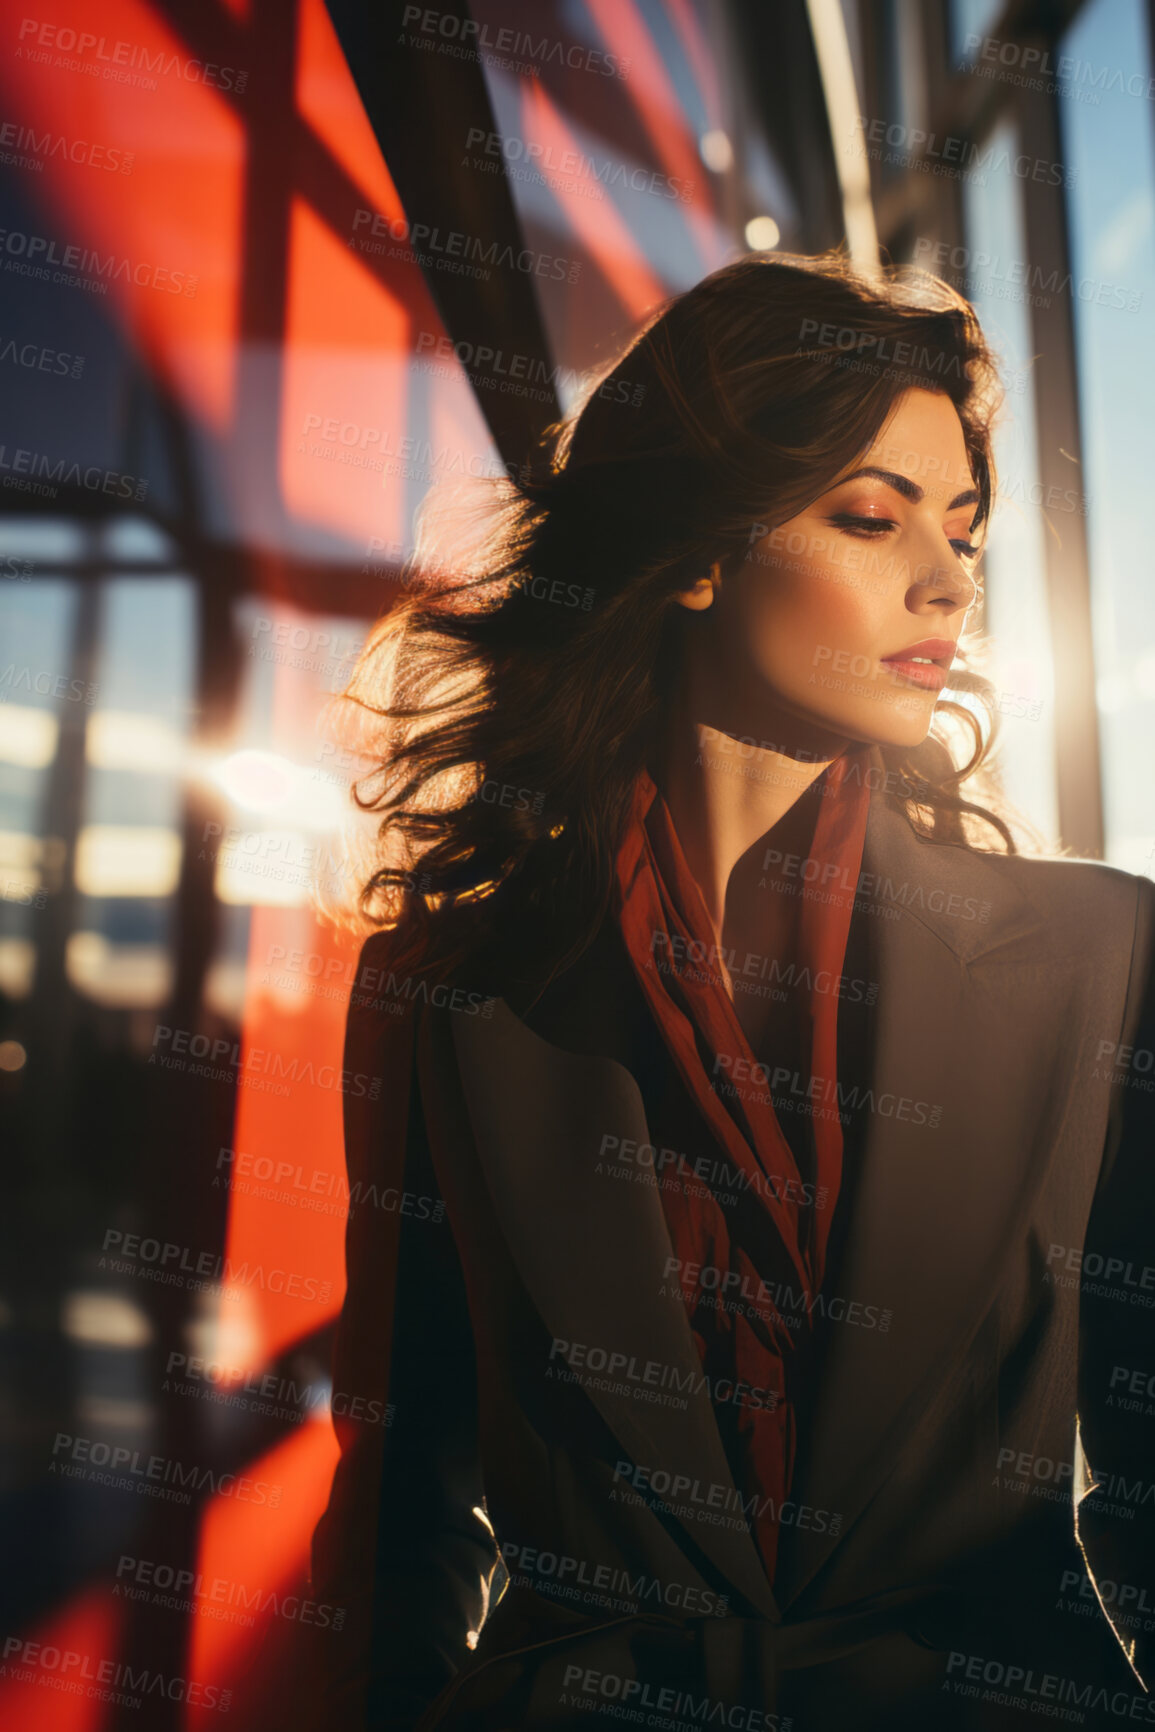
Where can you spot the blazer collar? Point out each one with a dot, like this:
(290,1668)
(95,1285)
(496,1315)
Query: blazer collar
(970,901)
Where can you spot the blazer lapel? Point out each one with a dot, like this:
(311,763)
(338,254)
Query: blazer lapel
(592,1249)
(937,1206)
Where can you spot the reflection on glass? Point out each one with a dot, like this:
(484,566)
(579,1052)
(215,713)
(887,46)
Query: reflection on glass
(1111,206)
(136,538)
(287,786)
(133,740)
(118,974)
(35,690)
(38,541)
(1015,563)
(129,845)
(27,736)
(127,860)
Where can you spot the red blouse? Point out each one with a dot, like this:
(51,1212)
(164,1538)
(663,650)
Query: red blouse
(735,1277)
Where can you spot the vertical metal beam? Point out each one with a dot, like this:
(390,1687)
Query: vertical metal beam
(1078,769)
(828,29)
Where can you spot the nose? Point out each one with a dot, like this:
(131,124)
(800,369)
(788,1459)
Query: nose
(942,585)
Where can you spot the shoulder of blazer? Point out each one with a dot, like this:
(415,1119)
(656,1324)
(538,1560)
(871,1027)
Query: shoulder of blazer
(979,903)
(1070,891)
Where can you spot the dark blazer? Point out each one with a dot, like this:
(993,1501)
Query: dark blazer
(991,1276)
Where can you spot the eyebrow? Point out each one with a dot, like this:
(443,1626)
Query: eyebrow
(908,488)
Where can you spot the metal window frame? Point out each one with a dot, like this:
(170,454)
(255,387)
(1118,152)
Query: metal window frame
(961,105)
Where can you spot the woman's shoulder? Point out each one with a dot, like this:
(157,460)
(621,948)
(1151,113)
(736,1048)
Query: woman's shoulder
(1076,903)
(510,964)
(1069,904)
(1067,883)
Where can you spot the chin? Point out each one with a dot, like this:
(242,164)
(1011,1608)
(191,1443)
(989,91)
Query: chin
(885,725)
(907,737)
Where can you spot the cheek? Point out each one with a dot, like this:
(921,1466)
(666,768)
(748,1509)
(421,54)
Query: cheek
(791,615)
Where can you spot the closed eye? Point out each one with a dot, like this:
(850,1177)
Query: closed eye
(860,525)
(876,526)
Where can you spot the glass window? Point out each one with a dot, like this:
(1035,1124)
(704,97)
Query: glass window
(971,19)
(36,624)
(910,53)
(285,779)
(1015,564)
(128,849)
(1108,146)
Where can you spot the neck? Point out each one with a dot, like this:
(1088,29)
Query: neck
(724,796)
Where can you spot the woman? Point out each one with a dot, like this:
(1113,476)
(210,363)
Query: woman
(748,1102)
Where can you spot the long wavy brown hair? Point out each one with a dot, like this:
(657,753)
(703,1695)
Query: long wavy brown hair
(517,688)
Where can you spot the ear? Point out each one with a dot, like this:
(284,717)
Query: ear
(701,594)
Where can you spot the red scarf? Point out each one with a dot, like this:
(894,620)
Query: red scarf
(774,1262)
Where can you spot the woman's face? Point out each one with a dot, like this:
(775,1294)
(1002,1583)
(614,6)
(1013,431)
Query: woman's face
(845,618)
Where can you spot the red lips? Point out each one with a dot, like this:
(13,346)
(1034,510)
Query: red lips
(933,648)
(930,674)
